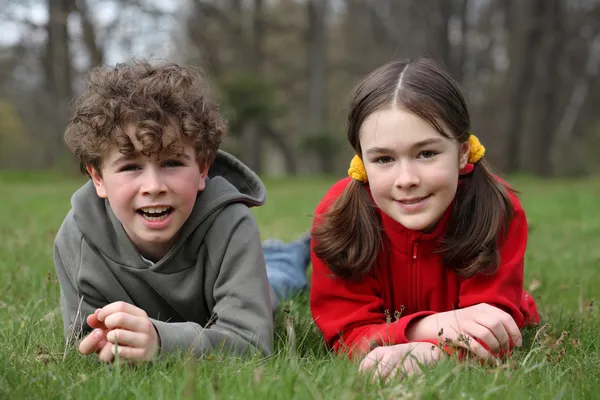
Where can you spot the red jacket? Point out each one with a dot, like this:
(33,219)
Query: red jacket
(410,281)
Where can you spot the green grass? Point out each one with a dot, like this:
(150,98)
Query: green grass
(562,261)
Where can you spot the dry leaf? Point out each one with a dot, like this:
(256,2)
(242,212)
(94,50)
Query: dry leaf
(534,285)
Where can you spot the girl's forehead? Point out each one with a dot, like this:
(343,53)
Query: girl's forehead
(396,126)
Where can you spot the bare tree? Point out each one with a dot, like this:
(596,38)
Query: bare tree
(526,31)
(317,61)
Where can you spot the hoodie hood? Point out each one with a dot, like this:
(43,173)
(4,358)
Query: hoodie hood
(229,181)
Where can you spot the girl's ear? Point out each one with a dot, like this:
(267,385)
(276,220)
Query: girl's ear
(463,154)
(97,180)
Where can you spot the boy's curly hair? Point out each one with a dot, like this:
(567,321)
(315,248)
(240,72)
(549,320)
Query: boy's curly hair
(166,104)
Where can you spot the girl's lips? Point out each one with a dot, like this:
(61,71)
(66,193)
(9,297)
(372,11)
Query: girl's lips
(413,205)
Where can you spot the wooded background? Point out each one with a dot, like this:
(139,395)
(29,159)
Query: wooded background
(282,70)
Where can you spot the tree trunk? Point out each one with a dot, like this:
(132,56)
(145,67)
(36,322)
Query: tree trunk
(550,85)
(58,75)
(317,56)
(526,32)
(89,36)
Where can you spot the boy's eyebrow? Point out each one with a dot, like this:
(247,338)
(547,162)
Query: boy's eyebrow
(422,143)
(132,155)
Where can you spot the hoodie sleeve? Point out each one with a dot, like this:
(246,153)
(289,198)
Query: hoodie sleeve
(243,316)
(75,305)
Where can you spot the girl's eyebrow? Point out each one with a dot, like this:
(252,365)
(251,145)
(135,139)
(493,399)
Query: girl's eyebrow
(422,143)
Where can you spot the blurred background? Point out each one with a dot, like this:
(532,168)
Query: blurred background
(282,70)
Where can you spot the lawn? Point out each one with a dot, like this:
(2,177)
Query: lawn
(560,359)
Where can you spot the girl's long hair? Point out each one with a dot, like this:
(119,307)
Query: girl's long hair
(348,236)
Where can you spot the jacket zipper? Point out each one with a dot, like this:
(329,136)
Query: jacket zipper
(415,283)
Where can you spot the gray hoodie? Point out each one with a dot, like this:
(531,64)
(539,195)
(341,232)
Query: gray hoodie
(209,293)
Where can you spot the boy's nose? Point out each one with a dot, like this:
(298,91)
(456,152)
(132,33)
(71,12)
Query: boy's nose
(153,183)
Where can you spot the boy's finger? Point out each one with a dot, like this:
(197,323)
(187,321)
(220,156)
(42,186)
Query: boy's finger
(120,306)
(130,353)
(123,320)
(92,321)
(106,353)
(127,338)
(91,342)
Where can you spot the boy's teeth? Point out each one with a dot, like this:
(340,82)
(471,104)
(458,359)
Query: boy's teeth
(155,210)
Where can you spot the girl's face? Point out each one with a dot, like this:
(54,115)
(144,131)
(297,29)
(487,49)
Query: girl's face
(412,169)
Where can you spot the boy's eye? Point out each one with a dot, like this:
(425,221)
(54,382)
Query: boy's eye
(382,160)
(129,167)
(427,154)
(172,163)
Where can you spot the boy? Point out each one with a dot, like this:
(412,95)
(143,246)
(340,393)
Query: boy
(160,252)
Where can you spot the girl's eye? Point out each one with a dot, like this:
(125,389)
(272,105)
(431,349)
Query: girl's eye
(383,160)
(129,167)
(172,163)
(427,154)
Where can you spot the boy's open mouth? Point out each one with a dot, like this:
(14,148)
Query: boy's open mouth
(155,213)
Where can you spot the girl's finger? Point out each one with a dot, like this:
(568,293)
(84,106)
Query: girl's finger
(371,360)
(484,334)
(469,343)
(497,328)
(510,326)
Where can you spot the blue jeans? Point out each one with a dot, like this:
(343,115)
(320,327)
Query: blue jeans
(286,265)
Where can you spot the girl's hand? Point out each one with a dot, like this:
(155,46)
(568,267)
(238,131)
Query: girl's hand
(130,334)
(388,361)
(492,326)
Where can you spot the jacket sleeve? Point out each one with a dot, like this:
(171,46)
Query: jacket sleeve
(504,289)
(350,313)
(75,304)
(243,315)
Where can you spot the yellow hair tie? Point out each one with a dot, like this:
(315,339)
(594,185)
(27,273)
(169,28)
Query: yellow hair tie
(357,170)
(476,150)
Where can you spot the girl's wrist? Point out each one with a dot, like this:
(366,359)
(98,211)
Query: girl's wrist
(418,329)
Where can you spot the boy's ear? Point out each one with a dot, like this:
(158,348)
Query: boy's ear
(463,154)
(203,175)
(97,180)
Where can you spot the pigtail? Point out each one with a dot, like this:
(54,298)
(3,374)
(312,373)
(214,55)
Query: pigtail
(349,235)
(482,212)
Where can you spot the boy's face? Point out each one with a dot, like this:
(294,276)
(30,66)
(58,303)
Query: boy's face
(151,199)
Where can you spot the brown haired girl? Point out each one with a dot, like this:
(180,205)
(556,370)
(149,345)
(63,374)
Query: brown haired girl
(421,243)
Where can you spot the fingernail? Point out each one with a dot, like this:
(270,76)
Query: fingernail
(97,333)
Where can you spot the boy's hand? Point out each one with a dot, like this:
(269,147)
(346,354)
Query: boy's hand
(96,341)
(494,327)
(130,329)
(388,361)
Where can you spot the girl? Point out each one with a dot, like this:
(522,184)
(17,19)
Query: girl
(421,243)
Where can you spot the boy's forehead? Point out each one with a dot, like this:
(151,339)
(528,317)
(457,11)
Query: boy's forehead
(169,142)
